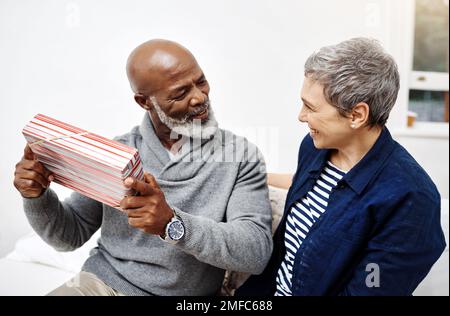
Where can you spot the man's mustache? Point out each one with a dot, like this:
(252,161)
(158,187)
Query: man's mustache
(198,110)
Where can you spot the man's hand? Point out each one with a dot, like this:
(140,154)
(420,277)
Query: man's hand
(31,178)
(149,211)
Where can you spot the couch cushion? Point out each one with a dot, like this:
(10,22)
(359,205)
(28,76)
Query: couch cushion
(233,280)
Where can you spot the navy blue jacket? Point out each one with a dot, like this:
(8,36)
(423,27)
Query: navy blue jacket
(384,211)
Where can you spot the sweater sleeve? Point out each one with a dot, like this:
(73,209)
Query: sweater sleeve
(66,225)
(243,242)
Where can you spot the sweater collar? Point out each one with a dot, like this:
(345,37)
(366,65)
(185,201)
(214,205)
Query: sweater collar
(191,151)
(152,141)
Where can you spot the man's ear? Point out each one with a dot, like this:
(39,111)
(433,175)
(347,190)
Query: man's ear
(142,101)
(359,115)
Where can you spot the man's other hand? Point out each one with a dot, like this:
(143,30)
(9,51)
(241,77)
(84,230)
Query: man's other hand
(31,178)
(149,211)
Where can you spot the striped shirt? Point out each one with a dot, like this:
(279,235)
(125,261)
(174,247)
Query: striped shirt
(303,214)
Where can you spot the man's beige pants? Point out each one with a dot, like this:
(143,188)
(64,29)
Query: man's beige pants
(84,284)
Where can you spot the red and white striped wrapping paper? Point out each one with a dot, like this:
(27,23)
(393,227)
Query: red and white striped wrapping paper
(83,161)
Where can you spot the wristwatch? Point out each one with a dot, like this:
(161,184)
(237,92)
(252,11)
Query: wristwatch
(175,230)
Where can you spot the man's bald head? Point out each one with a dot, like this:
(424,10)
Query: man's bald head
(152,63)
(170,85)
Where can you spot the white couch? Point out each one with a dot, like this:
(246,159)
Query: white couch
(34,268)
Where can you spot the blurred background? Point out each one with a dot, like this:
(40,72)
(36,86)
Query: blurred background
(66,59)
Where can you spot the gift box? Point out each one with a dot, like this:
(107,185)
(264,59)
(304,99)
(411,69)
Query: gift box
(85,162)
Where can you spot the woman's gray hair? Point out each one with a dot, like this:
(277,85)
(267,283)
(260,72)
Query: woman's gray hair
(354,71)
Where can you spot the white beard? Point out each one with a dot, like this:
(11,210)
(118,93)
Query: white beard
(192,129)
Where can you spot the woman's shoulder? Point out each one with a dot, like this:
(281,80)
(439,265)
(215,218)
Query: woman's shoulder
(405,166)
(403,174)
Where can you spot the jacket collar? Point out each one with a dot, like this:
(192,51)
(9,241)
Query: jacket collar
(371,164)
(365,170)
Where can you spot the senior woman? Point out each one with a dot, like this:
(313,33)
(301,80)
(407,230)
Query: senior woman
(361,216)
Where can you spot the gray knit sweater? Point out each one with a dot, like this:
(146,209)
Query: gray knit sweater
(218,188)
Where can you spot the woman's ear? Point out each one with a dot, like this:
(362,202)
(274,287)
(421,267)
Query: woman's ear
(142,101)
(359,115)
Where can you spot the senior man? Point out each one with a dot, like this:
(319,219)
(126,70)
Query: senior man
(203,207)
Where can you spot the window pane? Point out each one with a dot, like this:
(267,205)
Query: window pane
(431,36)
(431,106)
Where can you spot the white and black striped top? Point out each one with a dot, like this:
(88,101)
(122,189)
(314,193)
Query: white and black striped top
(300,219)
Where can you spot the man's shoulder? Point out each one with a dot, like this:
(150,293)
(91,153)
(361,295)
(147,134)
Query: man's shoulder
(239,144)
(129,138)
(229,137)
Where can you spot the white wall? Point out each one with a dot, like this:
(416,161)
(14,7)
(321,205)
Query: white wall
(67,58)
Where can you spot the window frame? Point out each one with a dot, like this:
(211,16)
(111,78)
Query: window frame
(426,80)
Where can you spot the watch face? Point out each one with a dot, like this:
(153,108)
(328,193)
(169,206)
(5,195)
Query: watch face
(176,230)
